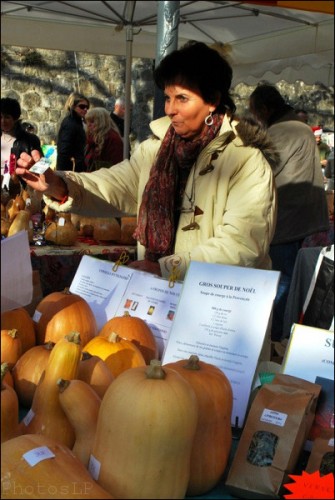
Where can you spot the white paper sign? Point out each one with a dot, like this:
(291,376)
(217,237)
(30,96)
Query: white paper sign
(309,353)
(111,290)
(222,317)
(16,272)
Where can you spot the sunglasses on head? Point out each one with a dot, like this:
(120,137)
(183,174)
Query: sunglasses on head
(82,106)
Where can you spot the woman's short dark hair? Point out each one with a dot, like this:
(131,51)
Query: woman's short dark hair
(201,69)
(10,107)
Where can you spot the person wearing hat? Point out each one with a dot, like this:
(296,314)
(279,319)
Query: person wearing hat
(323,148)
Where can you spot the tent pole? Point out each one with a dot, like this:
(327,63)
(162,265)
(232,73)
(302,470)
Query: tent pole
(129,47)
(167,41)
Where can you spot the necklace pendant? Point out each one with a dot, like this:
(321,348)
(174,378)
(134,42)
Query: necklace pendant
(191,226)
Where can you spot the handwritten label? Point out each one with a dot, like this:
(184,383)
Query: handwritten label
(36,455)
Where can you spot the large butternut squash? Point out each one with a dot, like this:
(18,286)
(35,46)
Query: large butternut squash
(144,435)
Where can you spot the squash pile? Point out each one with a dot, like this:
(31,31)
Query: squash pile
(108,419)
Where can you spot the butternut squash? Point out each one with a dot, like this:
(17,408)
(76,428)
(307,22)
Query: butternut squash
(145,432)
(61,476)
(81,405)
(46,415)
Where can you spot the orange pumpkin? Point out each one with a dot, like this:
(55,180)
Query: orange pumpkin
(27,372)
(19,318)
(134,329)
(213,438)
(119,354)
(94,371)
(9,408)
(11,347)
(59,313)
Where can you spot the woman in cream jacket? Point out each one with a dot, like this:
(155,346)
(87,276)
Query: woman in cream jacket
(201,186)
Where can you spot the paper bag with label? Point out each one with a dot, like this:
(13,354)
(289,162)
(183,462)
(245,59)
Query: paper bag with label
(322,455)
(273,437)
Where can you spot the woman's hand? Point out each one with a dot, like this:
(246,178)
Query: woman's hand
(48,183)
(147,266)
(36,181)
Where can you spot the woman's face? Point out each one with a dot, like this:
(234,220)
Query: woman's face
(187,111)
(7,123)
(81,108)
(91,125)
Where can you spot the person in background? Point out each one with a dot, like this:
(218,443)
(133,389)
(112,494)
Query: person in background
(201,184)
(323,148)
(302,204)
(118,113)
(302,115)
(14,140)
(104,145)
(71,138)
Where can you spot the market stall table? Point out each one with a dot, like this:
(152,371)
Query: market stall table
(57,265)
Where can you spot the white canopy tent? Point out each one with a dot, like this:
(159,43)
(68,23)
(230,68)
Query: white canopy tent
(263,42)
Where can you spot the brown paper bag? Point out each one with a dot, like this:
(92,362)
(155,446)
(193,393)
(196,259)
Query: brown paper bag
(273,437)
(322,454)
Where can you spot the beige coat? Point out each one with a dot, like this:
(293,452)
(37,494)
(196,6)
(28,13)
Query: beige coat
(236,195)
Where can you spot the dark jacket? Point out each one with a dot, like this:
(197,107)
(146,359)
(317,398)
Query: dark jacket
(119,122)
(25,142)
(302,204)
(71,143)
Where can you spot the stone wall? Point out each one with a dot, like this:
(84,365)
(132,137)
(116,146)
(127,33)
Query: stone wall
(41,80)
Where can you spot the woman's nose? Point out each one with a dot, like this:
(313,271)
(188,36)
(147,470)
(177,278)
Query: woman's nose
(170,109)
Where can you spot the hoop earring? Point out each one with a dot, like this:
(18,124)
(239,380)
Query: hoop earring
(209,119)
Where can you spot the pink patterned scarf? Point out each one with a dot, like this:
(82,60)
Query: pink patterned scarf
(168,176)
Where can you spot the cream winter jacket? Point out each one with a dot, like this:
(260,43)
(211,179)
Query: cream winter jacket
(233,193)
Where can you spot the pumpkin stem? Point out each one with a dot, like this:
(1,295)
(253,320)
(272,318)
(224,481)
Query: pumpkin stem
(63,384)
(126,313)
(114,337)
(155,370)
(13,333)
(49,345)
(4,370)
(192,363)
(73,337)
